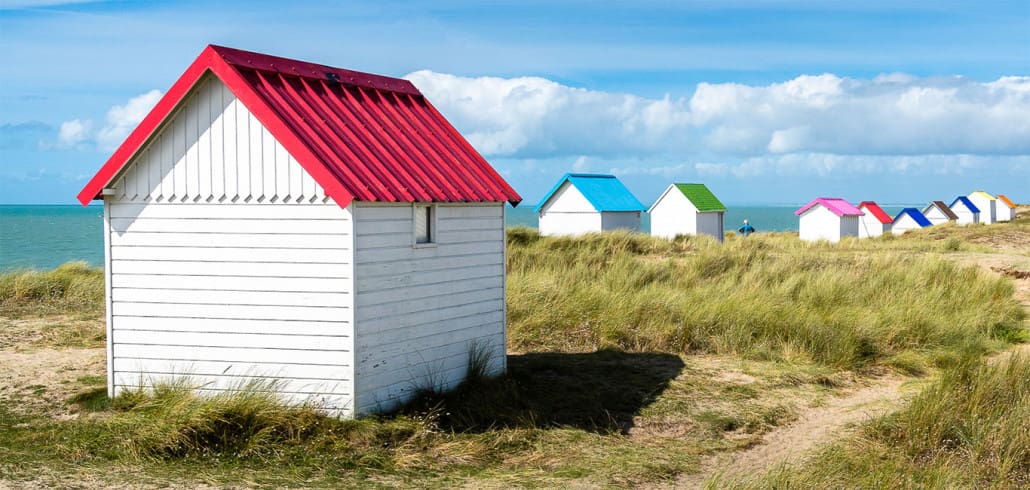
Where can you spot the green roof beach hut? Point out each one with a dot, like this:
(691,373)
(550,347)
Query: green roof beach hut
(687,209)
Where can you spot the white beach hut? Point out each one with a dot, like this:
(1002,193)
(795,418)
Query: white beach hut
(939,213)
(687,209)
(1006,208)
(909,219)
(874,222)
(987,204)
(327,229)
(828,218)
(965,210)
(584,203)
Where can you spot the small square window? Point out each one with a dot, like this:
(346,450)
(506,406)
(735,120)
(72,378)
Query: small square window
(423,224)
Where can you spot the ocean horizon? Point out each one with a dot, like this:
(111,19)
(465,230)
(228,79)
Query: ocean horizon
(43,236)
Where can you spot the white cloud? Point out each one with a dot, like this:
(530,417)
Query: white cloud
(890,115)
(824,164)
(73,133)
(122,119)
(531,117)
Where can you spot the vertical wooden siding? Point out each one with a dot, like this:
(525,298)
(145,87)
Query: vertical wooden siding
(213,150)
(418,309)
(227,262)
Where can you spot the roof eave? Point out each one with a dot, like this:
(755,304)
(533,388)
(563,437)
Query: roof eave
(146,128)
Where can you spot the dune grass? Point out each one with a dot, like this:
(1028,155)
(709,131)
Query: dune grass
(767,297)
(72,287)
(969,429)
(622,376)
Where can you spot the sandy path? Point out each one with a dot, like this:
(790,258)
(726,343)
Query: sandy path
(818,426)
(814,427)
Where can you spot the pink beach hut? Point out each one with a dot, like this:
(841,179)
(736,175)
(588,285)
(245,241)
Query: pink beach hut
(828,218)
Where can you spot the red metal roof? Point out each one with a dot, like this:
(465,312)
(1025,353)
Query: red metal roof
(876,211)
(361,136)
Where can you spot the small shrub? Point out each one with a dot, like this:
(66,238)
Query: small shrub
(953,244)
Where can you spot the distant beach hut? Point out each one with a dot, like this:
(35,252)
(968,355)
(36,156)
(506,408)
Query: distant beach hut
(909,219)
(327,230)
(988,206)
(1006,208)
(687,209)
(874,222)
(939,213)
(828,218)
(584,203)
(966,211)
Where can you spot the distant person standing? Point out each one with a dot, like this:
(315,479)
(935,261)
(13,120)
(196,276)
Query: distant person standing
(746,230)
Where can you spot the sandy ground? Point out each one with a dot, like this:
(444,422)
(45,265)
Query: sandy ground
(814,427)
(43,381)
(817,426)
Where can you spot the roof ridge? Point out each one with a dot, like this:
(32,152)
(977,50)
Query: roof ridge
(307,69)
(385,143)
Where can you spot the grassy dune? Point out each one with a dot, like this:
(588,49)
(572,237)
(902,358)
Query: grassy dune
(633,357)
(72,288)
(769,297)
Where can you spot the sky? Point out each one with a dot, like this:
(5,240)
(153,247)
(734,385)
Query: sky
(766,102)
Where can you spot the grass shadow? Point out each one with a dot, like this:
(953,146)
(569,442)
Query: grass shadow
(598,391)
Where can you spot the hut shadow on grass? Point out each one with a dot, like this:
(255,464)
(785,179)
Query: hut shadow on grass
(597,391)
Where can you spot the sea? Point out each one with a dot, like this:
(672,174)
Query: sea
(44,237)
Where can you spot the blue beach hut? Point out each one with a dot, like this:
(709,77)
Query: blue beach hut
(584,203)
(909,219)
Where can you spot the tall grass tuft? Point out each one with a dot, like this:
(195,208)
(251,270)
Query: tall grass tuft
(74,286)
(173,421)
(767,297)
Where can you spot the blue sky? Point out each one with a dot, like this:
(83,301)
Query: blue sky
(765,101)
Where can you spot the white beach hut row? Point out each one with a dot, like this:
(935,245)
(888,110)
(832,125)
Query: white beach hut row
(583,203)
(831,218)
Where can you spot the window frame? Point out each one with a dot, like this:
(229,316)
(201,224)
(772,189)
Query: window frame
(431,222)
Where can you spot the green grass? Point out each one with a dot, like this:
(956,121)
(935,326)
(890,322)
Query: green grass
(556,417)
(72,287)
(969,429)
(767,297)
(634,357)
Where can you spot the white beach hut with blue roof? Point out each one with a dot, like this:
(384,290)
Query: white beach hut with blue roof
(967,212)
(585,203)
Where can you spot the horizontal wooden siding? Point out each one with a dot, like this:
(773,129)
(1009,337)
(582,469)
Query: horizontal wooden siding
(418,309)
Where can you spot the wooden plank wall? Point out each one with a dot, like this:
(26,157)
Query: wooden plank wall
(419,308)
(228,263)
